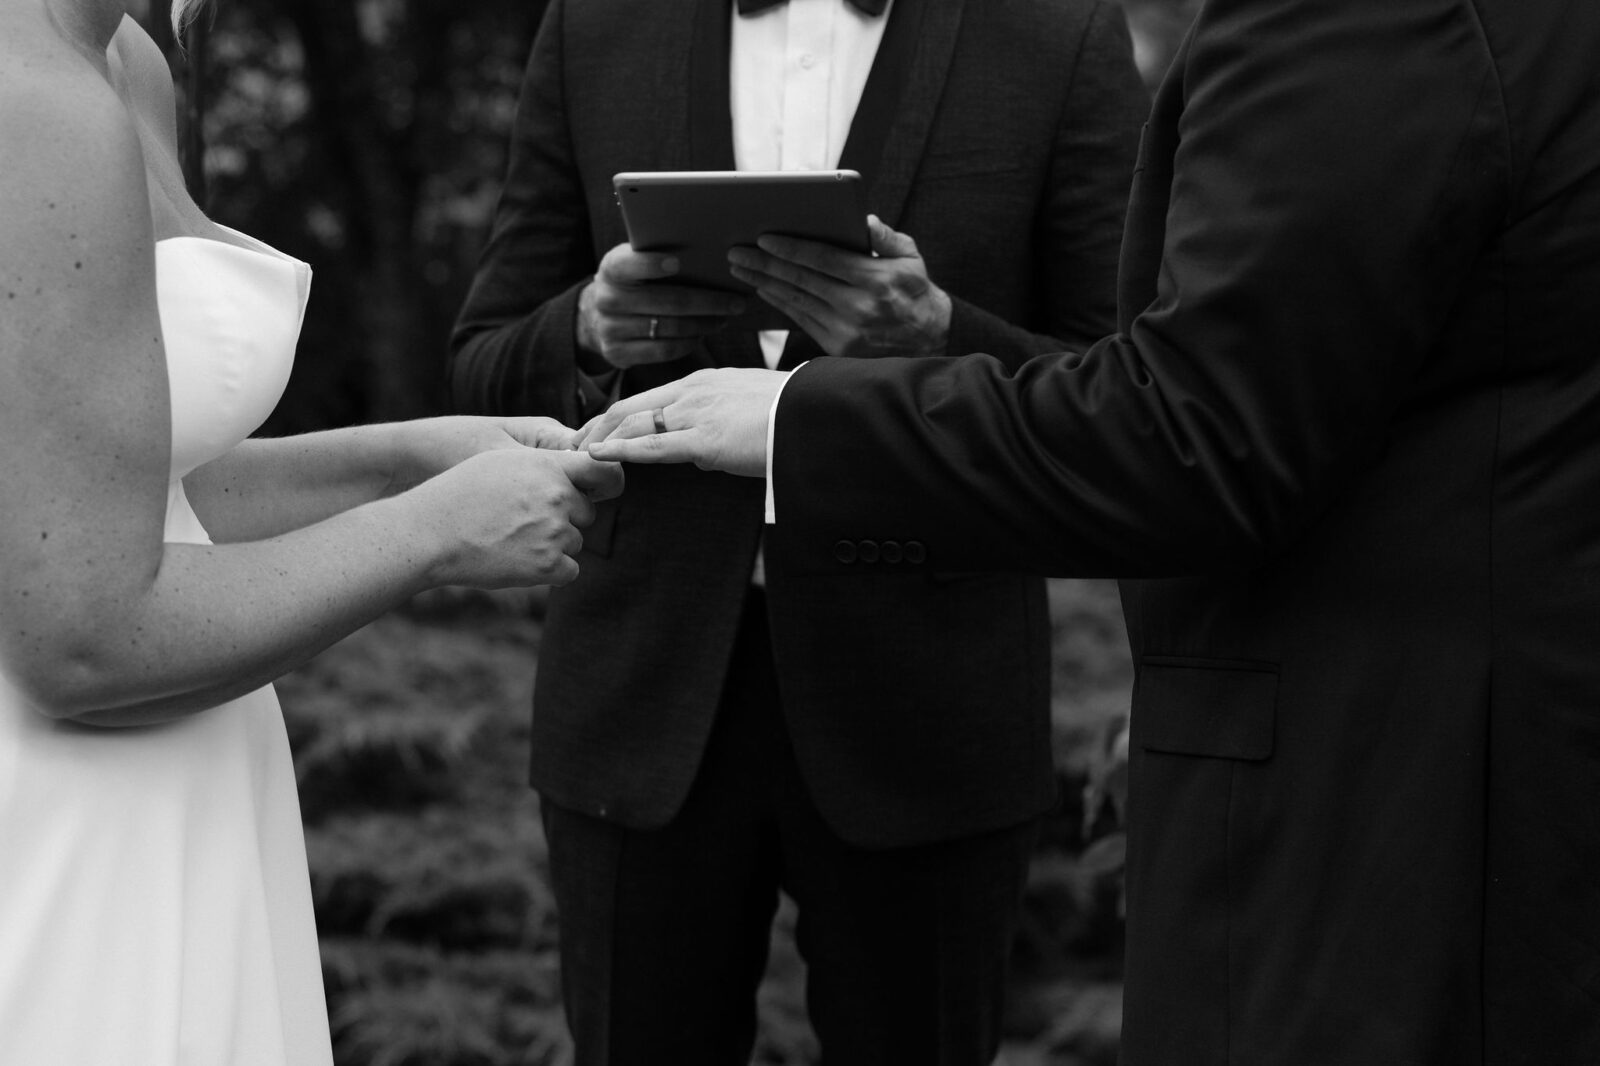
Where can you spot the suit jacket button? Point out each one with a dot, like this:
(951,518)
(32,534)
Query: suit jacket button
(916,554)
(845,552)
(869,551)
(891,551)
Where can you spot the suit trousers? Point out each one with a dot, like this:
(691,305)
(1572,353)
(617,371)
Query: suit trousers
(664,933)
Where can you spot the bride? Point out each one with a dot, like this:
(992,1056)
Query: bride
(157,570)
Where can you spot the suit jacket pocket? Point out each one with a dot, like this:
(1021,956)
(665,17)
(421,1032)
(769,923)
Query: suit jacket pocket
(1202,729)
(1217,708)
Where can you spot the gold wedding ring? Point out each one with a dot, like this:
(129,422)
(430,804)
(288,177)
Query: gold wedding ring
(660,416)
(655,329)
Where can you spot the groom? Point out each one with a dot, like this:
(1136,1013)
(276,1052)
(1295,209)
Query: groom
(710,728)
(1347,436)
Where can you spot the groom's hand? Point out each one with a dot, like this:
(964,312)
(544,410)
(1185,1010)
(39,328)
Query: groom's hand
(715,419)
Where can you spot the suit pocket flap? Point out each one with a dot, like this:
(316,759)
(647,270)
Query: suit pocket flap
(1222,710)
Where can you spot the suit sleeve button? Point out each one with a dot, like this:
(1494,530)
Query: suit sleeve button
(890,551)
(845,552)
(869,551)
(916,554)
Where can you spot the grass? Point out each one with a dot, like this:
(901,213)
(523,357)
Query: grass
(430,873)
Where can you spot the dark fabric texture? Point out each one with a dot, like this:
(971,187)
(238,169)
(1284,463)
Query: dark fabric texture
(664,932)
(1347,441)
(918,703)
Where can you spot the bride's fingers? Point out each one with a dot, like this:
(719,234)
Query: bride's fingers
(539,432)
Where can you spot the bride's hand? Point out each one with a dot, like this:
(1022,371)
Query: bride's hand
(430,446)
(513,517)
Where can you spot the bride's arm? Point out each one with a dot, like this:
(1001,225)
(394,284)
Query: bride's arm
(269,486)
(99,619)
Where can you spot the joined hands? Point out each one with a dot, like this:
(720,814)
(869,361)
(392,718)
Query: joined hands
(715,419)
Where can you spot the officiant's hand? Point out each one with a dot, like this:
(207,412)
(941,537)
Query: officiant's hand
(851,303)
(715,419)
(628,315)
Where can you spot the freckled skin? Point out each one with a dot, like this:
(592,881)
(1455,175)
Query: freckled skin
(85,431)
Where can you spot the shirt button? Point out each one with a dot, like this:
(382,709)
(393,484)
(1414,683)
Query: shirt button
(916,553)
(869,551)
(890,550)
(845,552)
(807,61)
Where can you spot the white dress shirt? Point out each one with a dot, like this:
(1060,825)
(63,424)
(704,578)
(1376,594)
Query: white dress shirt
(795,76)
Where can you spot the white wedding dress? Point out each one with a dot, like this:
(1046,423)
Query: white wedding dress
(154,903)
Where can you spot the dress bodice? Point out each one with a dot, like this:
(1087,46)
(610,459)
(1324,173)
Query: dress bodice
(154,877)
(230,316)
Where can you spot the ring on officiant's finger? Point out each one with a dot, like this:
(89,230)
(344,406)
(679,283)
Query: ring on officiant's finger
(660,417)
(655,328)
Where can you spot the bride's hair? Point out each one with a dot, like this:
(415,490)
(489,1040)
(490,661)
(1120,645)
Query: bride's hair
(182,12)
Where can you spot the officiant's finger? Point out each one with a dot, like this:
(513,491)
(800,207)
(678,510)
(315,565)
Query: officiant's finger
(625,265)
(808,310)
(827,260)
(666,327)
(665,299)
(625,353)
(743,262)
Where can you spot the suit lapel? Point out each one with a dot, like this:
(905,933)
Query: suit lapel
(710,113)
(1144,236)
(709,119)
(891,124)
(918,45)
(653,105)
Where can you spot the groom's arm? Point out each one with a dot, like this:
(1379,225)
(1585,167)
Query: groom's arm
(1299,290)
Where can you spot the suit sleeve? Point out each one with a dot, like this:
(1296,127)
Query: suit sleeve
(513,349)
(1327,174)
(1081,211)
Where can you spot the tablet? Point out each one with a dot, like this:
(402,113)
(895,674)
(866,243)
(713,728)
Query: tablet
(699,214)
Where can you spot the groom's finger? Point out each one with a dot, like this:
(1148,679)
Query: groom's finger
(602,425)
(674,446)
(638,424)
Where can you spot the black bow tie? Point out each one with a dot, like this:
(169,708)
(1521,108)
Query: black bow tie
(866,7)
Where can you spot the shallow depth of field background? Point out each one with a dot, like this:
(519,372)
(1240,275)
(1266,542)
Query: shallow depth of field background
(368,137)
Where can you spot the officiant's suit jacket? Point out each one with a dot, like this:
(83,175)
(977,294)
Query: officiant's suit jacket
(1000,134)
(1347,438)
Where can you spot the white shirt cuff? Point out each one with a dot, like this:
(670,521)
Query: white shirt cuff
(772,427)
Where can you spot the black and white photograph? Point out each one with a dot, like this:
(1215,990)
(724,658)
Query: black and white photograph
(799,533)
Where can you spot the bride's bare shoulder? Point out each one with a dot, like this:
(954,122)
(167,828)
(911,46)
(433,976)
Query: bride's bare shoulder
(73,159)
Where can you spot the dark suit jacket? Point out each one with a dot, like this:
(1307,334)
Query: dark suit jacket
(1349,435)
(998,133)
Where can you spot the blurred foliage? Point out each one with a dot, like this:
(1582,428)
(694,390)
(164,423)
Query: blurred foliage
(367,137)
(431,880)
